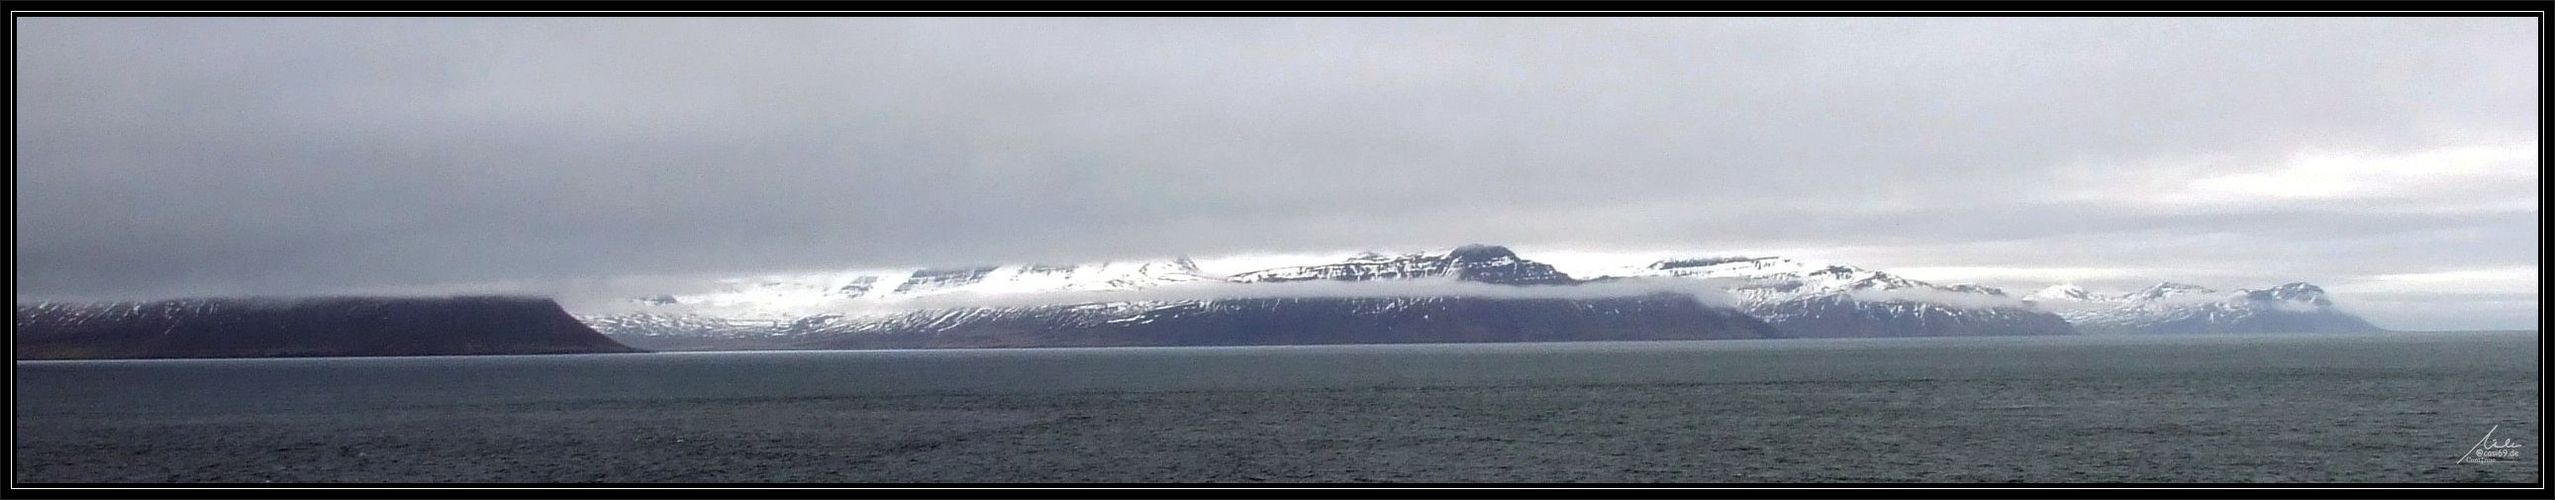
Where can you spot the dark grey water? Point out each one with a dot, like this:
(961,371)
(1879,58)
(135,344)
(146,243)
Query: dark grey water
(2278,408)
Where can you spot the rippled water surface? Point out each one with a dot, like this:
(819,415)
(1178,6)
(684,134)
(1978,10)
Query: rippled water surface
(2400,407)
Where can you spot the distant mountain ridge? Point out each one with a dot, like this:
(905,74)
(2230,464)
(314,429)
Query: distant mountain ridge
(335,326)
(1471,293)
(1806,300)
(1098,321)
(2170,307)
(1477,263)
(790,297)
(1779,297)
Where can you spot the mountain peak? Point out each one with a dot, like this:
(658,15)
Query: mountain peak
(1482,263)
(2170,289)
(2291,292)
(2301,287)
(2064,291)
(1480,253)
(1180,264)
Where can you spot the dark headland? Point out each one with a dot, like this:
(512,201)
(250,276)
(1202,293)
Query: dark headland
(335,326)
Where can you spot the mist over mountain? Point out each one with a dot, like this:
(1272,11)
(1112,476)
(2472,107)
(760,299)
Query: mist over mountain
(2169,307)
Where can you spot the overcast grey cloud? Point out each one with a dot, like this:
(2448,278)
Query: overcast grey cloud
(195,156)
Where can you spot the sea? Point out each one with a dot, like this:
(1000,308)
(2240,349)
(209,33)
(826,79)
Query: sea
(2417,407)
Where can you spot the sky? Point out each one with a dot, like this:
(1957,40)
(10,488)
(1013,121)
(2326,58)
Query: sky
(2393,161)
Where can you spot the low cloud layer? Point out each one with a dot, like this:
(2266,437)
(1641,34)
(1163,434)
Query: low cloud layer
(1944,297)
(211,156)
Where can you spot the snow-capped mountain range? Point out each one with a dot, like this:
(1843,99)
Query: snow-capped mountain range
(1811,300)
(1478,263)
(2184,308)
(1168,303)
(1129,303)
(782,297)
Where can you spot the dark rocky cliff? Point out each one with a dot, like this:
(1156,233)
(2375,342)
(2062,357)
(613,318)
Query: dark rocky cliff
(341,326)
